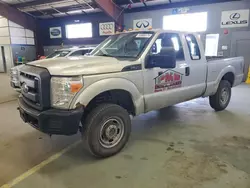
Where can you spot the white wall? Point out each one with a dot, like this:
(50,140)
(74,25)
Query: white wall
(12,24)
(12,33)
(12,36)
(20,35)
(17,32)
(5,43)
(4,40)
(30,41)
(3,22)
(8,57)
(4,31)
(29,33)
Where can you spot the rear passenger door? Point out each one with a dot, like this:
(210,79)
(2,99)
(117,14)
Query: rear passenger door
(196,70)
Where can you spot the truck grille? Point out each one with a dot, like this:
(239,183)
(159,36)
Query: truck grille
(35,87)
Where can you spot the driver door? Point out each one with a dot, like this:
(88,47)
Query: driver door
(164,87)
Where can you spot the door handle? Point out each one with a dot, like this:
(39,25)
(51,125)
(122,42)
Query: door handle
(187,71)
(160,73)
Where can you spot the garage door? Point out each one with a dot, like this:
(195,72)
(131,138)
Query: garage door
(243,49)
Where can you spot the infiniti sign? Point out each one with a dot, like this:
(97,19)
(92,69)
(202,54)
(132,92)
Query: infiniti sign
(142,23)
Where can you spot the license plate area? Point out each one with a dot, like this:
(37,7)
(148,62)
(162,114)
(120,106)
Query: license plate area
(28,119)
(23,115)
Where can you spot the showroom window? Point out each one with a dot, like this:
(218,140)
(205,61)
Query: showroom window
(212,41)
(83,30)
(193,22)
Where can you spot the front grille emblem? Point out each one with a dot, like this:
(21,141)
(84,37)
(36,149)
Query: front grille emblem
(25,88)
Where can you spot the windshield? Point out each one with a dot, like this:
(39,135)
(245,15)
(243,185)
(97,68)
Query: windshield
(124,45)
(61,53)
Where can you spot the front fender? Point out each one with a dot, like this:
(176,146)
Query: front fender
(87,94)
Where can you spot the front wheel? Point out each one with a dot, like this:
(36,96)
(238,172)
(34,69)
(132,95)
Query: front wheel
(220,100)
(106,130)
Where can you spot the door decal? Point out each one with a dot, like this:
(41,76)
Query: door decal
(169,79)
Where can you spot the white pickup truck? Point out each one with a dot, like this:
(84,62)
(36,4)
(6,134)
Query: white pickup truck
(128,74)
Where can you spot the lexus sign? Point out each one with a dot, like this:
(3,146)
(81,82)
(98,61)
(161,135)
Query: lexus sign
(235,18)
(142,24)
(107,28)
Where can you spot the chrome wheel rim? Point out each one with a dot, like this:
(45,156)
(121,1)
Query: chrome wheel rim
(224,96)
(111,133)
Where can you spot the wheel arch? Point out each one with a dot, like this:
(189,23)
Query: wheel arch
(230,77)
(228,73)
(112,87)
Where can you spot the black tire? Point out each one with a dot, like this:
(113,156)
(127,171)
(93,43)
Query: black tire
(94,123)
(216,101)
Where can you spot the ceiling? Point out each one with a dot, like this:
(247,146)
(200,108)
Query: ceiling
(58,8)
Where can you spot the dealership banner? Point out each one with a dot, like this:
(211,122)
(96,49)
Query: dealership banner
(142,23)
(107,28)
(235,18)
(55,32)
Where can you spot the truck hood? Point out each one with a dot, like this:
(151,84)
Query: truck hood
(84,65)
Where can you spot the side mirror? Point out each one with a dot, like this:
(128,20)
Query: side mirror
(165,59)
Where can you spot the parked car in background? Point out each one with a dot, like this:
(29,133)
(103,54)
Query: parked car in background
(129,73)
(14,71)
(70,52)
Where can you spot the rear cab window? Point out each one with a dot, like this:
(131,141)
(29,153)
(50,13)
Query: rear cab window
(193,47)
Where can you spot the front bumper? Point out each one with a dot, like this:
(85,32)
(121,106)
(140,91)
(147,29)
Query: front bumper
(15,86)
(52,121)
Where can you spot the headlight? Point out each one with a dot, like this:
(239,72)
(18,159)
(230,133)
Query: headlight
(13,71)
(63,90)
(14,74)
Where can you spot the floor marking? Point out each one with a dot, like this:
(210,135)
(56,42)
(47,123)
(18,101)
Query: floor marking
(8,101)
(39,166)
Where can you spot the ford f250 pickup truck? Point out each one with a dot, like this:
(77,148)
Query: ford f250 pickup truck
(128,74)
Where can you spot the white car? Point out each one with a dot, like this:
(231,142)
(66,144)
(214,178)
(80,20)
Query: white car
(14,71)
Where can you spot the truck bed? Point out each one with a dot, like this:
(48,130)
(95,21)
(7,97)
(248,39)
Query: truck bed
(218,67)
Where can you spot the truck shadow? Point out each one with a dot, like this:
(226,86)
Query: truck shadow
(156,118)
(78,157)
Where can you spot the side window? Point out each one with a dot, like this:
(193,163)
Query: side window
(168,40)
(85,52)
(193,47)
(77,53)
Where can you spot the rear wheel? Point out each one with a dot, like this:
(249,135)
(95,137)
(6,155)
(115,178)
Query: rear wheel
(106,130)
(220,100)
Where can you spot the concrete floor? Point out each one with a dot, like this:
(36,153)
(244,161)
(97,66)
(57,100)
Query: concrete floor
(6,92)
(186,145)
